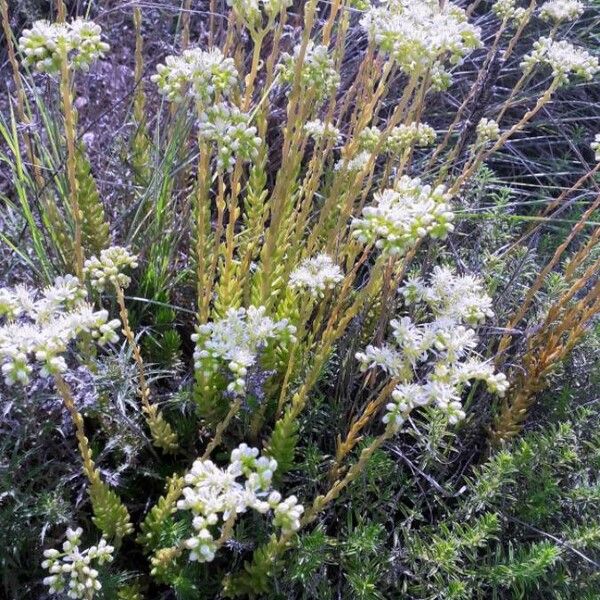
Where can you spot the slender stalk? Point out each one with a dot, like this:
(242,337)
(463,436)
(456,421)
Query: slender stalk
(164,437)
(67,102)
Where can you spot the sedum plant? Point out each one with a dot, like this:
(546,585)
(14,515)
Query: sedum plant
(312,325)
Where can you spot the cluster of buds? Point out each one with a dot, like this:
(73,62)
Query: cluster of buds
(318,74)
(107,269)
(38,329)
(421,33)
(46,45)
(507,10)
(205,76)
(402,216)
(563,58)
(215,495)
(559,11)
(323,131)
(72,570)
(368,138)
(236,341)
(403,137)
(487,130)
(252,12)
(595,146)
(230,130)
(442,349)
(441,79)
(316,275)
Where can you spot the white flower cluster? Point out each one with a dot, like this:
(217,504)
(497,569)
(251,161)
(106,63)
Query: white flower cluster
(204,75)
(487,130)
(250,12)
(595,146)
(318,73)
(403,215)
(368,138)
(108,268)
(563,58)
(443,347)
(39,328)
(319,130)
(237,340)
(404,137)
(356,163)
(419,34)
(72,569)
(441,79)
(561,10)
(46,44)
(316,275)
(230,130)
(508,9)
(213,495)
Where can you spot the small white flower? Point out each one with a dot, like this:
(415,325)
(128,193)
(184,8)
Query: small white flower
(236,341)
(45,45)
(108,268)
(200,74)
(487,130)
(420,33)
(72,568)
(355,164)
(316,275)
(441,351)
(318,74)
(559,11)
(563,58)
(230,130)
(403,215)
(47,324)
(403,137)
(319,131)
(508,10)
(212,495)
(287,515)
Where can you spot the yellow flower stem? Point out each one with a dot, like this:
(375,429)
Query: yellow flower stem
(89,468)
(221,427)
(67,102)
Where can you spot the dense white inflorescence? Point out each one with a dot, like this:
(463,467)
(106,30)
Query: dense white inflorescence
(508,9)
(214,495)
(404,137)
(368,138)
(561,10)
(72,569)
(319,130)
(419,34)
(403,215)
(236,341)
(46,44)
(230,130)
(563,58)
(204,75)
(487,130)
(318,75)
(39,328)
(317,275)
(107,269)
(356,164)
(443,348)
